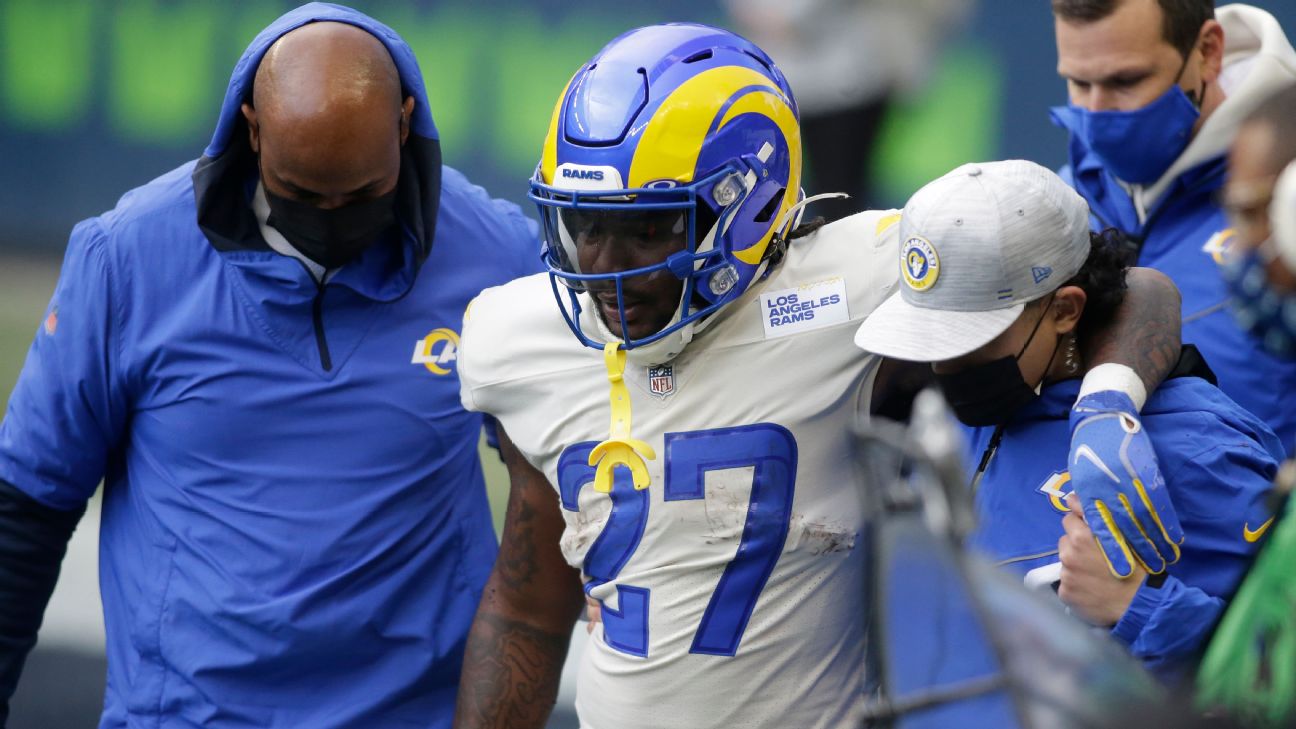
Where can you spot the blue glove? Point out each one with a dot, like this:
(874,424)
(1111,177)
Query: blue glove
(1114,471)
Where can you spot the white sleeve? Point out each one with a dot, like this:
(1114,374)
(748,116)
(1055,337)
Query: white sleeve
(467,385)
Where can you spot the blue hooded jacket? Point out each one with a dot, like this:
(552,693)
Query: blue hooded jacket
(1184,232)
(1218,461)
(295,531)
(1185,236)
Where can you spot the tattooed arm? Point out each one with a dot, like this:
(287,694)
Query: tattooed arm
(1144,334)
(519,638)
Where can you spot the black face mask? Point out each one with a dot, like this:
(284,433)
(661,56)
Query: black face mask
(333,237)
(989,393)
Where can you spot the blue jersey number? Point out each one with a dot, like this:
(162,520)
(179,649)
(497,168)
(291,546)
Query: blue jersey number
(625,629)
(770,450)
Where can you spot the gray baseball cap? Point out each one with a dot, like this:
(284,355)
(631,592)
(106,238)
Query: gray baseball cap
(976,245)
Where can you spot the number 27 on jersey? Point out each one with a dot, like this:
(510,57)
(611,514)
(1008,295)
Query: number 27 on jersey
(769,450)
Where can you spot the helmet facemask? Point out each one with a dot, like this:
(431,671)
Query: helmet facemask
(684,221)
(671,117)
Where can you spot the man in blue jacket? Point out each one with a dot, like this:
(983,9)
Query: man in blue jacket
(1021,282)
(1157,90)
(256,353)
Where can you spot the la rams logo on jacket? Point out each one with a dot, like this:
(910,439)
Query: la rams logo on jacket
(1218,245)
(1056,487)
(919,264)
(437,351)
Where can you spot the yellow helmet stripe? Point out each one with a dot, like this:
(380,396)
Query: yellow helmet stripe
(672,139)
(777,109)
(549,154)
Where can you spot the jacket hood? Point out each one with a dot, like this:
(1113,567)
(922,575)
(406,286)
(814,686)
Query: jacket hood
(225,174)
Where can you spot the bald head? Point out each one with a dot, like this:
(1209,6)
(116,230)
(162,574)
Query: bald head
(327,118)
(324,69)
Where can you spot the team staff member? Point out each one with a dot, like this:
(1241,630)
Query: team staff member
(1261,273)
(1009,366)
(1157,89)
(717,332)
(1250,668)
(295,530)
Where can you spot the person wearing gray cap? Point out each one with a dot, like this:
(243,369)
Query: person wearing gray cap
(1001,281)
(945,319)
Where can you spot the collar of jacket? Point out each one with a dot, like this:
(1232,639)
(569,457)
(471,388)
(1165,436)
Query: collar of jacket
(1111,205)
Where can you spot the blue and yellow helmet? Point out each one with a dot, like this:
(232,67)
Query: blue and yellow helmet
(673,117)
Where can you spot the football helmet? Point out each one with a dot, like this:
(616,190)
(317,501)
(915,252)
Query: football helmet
(682,128)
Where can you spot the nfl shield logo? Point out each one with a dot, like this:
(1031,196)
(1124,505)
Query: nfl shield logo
(661,380)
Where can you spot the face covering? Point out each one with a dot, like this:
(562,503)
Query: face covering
(333,237)
(988,394)
(1136,146)
(1265,314)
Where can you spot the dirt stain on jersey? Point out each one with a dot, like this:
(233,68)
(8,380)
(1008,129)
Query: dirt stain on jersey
(819,537)
(583,528)
(726,512)
(728,499)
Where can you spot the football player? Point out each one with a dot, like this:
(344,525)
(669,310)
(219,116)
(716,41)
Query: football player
(715,515)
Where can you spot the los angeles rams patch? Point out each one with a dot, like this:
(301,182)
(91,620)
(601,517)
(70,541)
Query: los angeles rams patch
(1218,245)
(919,263)
(1056,487)
(806,307)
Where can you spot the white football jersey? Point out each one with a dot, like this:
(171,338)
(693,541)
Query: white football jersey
(732,586)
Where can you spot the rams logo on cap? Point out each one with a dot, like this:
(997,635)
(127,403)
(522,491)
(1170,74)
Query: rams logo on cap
(919,263)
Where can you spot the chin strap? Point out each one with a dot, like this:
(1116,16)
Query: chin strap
(792,217)
(619,449)
(787,224)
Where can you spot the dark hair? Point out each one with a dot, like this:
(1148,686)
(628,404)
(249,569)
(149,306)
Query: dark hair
(1103,279)
(1278,110)
(1181,20)
(808,227)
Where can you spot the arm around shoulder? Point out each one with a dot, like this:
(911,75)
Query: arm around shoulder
(1143,336)
(1131,515)
(518,641)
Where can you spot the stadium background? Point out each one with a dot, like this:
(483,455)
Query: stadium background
(96,98)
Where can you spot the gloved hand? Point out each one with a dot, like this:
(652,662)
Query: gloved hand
(1115,473)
